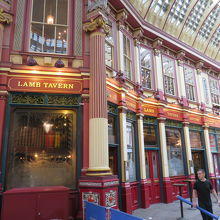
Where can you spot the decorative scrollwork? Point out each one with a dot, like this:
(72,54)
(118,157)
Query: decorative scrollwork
(27,99)
(112,109)
(62,100)
(5,18)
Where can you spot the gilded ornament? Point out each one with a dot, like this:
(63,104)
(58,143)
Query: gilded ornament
(96,23)
(5,17)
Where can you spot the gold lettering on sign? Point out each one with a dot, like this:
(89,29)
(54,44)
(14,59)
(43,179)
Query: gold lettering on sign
(172,115)
(45,85)
(149,110)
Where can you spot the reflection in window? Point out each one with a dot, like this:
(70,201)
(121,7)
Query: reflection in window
(190,83)
(213,144)
(127,56)
(109,48)
(146,67)
(195,139)
(150,136)
(41,149)
(205,90)
(155,164)
(147,163)
(174,151)
(111,130)
(168,71)
(131,167)
(214,89)
(49,26)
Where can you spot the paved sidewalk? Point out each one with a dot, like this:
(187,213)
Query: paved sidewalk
(171,211)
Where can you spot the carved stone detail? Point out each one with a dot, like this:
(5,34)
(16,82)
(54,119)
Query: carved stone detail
(94,24)
(5,18)
(157,45)
(121,17)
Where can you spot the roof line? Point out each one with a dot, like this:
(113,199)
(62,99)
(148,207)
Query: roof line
(148,9)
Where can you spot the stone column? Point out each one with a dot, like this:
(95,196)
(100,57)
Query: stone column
(98,118)
(159,95)
(188,150)
(144,186)
(167,187)
(211,172)
(98,184)
(181,79)
(5,18)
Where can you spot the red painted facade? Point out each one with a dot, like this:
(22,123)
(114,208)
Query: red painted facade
(86,77)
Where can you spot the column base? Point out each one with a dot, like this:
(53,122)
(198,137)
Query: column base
(145,194)
(167,190)
(102,190)
(126,198)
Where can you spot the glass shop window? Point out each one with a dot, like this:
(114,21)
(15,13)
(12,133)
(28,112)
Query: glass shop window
(130,166)
(174,151)
(41,149)
(111,130)
(150,139)
(49,26)
(109,48)
(212,140)
(195,139)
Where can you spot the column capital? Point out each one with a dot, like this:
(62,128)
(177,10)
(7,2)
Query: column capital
(205,126)
(180,56)
(140,116)
(5,18)
(85,98)
(98,23)
(3,95)
(122,109)
(161,120)
(185,124)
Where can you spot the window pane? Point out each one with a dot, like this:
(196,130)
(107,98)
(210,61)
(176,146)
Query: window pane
(131,167)
(155,168)
(61,39)
(36,37)
(49,40)
(174,151)
(62,12)
(218,141)
(111,130)
(150,136)
(195,139)
(41,149)
(212,142)
(206,91)
(147,165)
(50,11)
(38,12)
(108,54)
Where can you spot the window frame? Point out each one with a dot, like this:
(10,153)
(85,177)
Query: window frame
(211,93)
(193,86)
(69,33)
(151,70)
(174,78)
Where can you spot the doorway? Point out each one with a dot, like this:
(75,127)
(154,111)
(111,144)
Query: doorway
(152,174)
(198,161)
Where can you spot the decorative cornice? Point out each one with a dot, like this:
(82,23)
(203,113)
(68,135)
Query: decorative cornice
(199,66)
(5,18)
(157,45)
(96,23)
(180,57)
(121,17)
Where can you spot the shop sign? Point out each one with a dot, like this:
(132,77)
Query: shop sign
(150,110)
(113,96)
(131,104)
(44,85)
(174,115)
(195,119)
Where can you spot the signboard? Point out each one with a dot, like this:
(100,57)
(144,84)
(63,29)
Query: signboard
(131,104)
(113,96)
(172,114)
(150,110)
(194,119)
(54,85)
(94,211)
